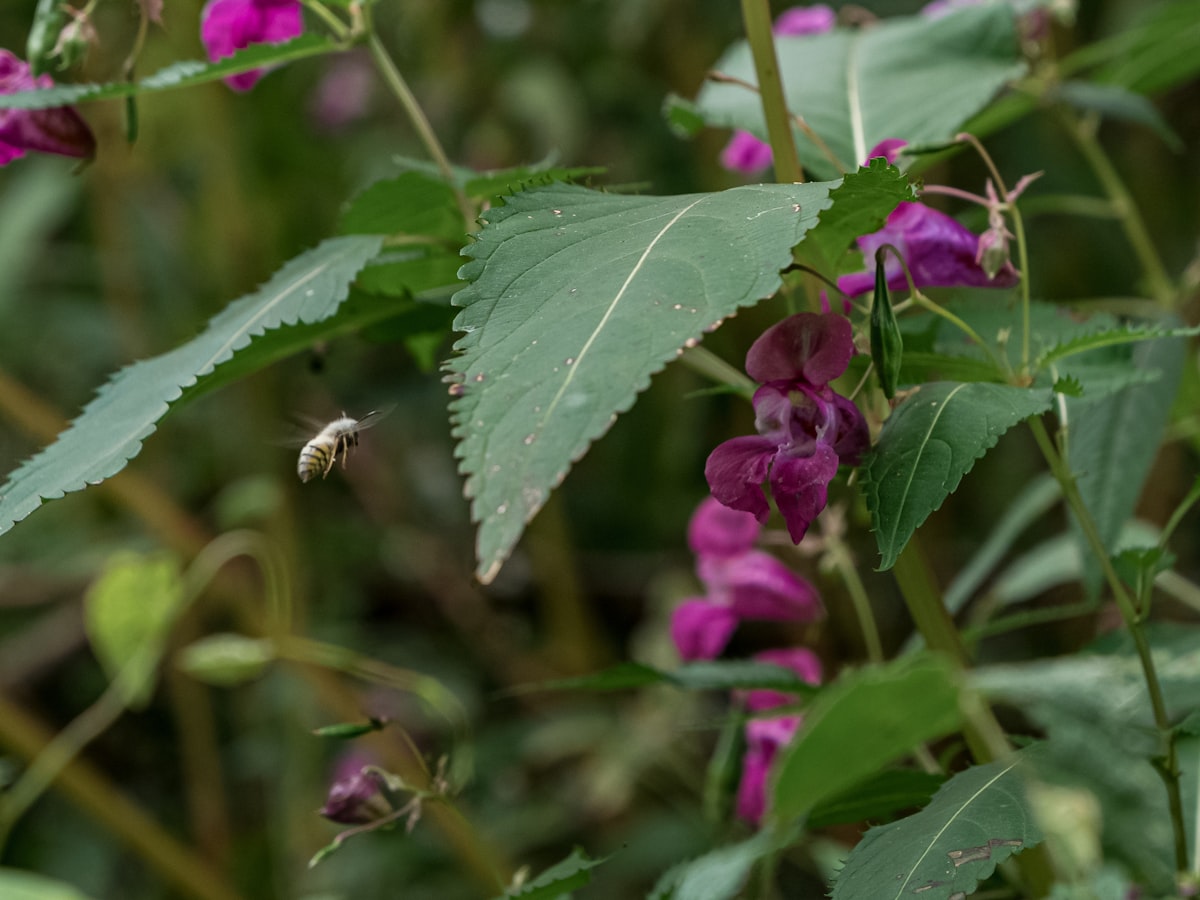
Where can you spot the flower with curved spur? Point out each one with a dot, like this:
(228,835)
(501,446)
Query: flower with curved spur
(356,796)
(59,130)
(805,430)
(227,26)
(745,152)
(766,736)
(740,582)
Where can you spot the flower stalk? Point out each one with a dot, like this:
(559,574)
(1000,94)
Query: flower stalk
(756,16)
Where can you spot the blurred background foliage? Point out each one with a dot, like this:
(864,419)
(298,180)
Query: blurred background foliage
(131,257)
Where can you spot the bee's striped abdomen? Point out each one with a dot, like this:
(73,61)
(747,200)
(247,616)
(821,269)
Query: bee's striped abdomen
(318,455)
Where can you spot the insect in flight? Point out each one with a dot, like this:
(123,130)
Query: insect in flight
(334,440)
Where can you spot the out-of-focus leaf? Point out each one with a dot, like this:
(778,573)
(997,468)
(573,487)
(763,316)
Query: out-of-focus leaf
(49,17)
(30,207)
(558,880)
(1120,103)
(16,884)
(725,675)
(718,875)
(226,660)
(129,610)
(913,78)
(876,798)
(928,444)
(178,75)
(347,730)
(576,299)
(862,722)
(978,819)
(112,427)
(1150,55)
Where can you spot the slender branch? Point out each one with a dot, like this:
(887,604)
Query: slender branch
(756,16)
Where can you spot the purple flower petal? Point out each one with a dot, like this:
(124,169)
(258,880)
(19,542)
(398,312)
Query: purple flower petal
(756,585)
(799,486)
(940,253)
(888,148)
(800,20)
(853,435)
(807,346)
(701,629)
(746,154)
(59,130)
(800,660)
(230,25)
(717,530)
(764,737)
(735,471)
(355,797)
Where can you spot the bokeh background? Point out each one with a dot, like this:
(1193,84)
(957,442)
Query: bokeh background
(131,256)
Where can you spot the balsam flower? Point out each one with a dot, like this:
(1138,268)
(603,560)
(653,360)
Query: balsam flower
(356,796)
(745,152)
(227,26)
(59,130)
(766,736)
(740,583)
(805,430)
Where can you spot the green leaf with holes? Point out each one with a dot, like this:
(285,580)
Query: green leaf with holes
(576,298)
(928,444)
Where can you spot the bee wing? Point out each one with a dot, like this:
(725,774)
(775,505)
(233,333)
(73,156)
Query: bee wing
(375,416)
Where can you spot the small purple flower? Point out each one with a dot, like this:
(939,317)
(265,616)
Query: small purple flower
(355,797)
(227,26)
(59,130)
(701,628)
(765,737)
(746,153)
(939,251)
(805,430)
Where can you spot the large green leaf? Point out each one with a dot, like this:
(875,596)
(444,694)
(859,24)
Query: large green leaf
(177,75)
(861,723)
(129,610)
(914,78)
(978,819)
(1154,53)
(576,298)
(928,444)
(16,884)
(112,427)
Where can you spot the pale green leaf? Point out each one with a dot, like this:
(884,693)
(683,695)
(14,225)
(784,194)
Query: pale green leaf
(1158,50)
(226,659)
(112,427)
(865,720)
(177,75)
(558,880)
(913,78)
(978,819)
(718,875)
(17,884)
(129,611)
(928,444)
(578,297)
(1120,103)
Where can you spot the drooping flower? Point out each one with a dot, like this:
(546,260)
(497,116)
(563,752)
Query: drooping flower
(805,430)
(355,796)
(745,152)
(740,583)
(59,130)
(939,251)
(227,26)
(766,736)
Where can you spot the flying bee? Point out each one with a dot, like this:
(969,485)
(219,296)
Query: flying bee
(334,440)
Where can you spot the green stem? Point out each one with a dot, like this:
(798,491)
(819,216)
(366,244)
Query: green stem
(395,81)
(712,366)
(339,28)
(1158,282)
(839,554)
(1167,765)
(756,16)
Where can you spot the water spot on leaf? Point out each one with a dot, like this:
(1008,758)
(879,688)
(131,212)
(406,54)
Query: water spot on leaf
(529,439)
(569,361)
(479,378)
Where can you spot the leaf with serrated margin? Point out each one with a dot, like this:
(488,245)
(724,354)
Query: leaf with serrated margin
(1110,337)
(177,75)
(861,205)
(978,819)
(125,411)
(914,78)
(928,444)
(577,297)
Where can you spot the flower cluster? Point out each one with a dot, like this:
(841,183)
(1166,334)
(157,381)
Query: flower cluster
(740,583)
(59,130)
(227,26)
(805,429)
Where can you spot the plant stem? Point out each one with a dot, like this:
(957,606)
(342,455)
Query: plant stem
(756,16)
(842,560)
(395,81)
(1167,765)
(1155,273)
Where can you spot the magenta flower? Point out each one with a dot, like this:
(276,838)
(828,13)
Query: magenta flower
(227,26)
(355,797)
(765,737)
(746,153)
(59,130)
(740,583)
(939,251)
(805,430)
